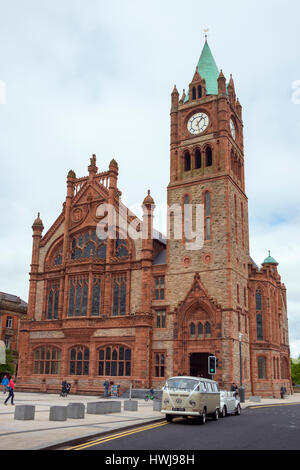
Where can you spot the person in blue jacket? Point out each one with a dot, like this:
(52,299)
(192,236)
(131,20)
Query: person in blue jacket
(4,383)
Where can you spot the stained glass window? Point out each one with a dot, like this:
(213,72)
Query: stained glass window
(119,295)
(96,297)
(53,300)
(88,245)
(78,296)
(121,248)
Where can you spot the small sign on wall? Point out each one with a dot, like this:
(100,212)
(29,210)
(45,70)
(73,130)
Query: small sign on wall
(2,353)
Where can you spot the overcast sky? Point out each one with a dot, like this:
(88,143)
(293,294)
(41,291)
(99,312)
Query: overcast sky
(83,77)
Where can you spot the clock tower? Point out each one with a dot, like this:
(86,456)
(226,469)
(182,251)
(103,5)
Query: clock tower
(207,169)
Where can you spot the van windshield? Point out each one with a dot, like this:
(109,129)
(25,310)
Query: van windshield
(180,383)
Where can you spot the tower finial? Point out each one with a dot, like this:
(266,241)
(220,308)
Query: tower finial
(206,31)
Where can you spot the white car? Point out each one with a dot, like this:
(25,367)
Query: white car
(229,403)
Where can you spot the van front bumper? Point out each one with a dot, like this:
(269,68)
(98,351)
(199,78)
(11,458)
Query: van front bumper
(181,413)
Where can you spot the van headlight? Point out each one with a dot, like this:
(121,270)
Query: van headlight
(166,401)
(192,403)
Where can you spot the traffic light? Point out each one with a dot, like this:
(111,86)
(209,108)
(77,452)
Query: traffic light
(212,365)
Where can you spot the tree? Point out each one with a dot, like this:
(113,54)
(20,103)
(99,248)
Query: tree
(295,371)
(9,367)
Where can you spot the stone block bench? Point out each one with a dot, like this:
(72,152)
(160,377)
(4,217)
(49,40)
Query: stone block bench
(103,407)
(130,405)
(24,412)
(75,410)
(58,413)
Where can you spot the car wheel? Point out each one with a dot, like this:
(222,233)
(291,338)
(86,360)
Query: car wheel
(238,410)
(216,414)
(169,418)
(223,412)
(202,418)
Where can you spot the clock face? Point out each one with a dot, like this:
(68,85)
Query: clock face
(198,123)
(232,129)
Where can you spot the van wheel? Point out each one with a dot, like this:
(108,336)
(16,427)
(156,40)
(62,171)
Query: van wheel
(238,410)
(169,418)
(216,415)
(202,418)
(223,412)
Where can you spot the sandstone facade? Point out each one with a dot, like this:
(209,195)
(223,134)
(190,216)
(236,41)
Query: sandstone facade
(139,310)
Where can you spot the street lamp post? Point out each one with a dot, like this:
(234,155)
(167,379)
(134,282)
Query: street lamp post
(241,388)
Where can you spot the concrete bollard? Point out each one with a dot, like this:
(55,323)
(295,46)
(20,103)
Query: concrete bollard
(103,407)
(24,412)
(58,413)
(256,399)
(157,405)
(75,410)
(130,405)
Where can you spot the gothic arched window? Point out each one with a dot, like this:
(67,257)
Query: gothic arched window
(119,295)
(259,327)
(47,360)
(79,361)
(96,297)
(53,300)
(198,159)
(114,361)
(258,300)
(58,256)
(208,154)
(192,329)
(262,367)
(200,330)
(187,161)
(121,248)
(194,93)
(207,330)
(199,91)
(78,296)
(88,245)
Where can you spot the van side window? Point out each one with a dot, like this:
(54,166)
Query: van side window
(202,387)
(215,387)
(208,388)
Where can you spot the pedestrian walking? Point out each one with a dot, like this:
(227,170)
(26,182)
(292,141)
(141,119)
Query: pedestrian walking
(4,383)
(234,388)
(11,388)
(282,392)
(106,388)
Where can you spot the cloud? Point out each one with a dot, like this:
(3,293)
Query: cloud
(97,78)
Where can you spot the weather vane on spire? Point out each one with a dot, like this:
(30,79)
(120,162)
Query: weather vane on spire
(206,31)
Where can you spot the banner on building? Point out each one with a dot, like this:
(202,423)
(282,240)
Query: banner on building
(2,353)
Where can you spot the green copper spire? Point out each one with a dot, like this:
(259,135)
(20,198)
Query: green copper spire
(270,260)
(208,70)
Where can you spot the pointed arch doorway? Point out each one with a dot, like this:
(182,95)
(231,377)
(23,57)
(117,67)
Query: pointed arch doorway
(199,365)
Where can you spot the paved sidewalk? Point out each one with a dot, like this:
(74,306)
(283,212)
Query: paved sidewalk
(41,433)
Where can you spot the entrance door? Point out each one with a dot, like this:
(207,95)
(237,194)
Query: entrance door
(199,365)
